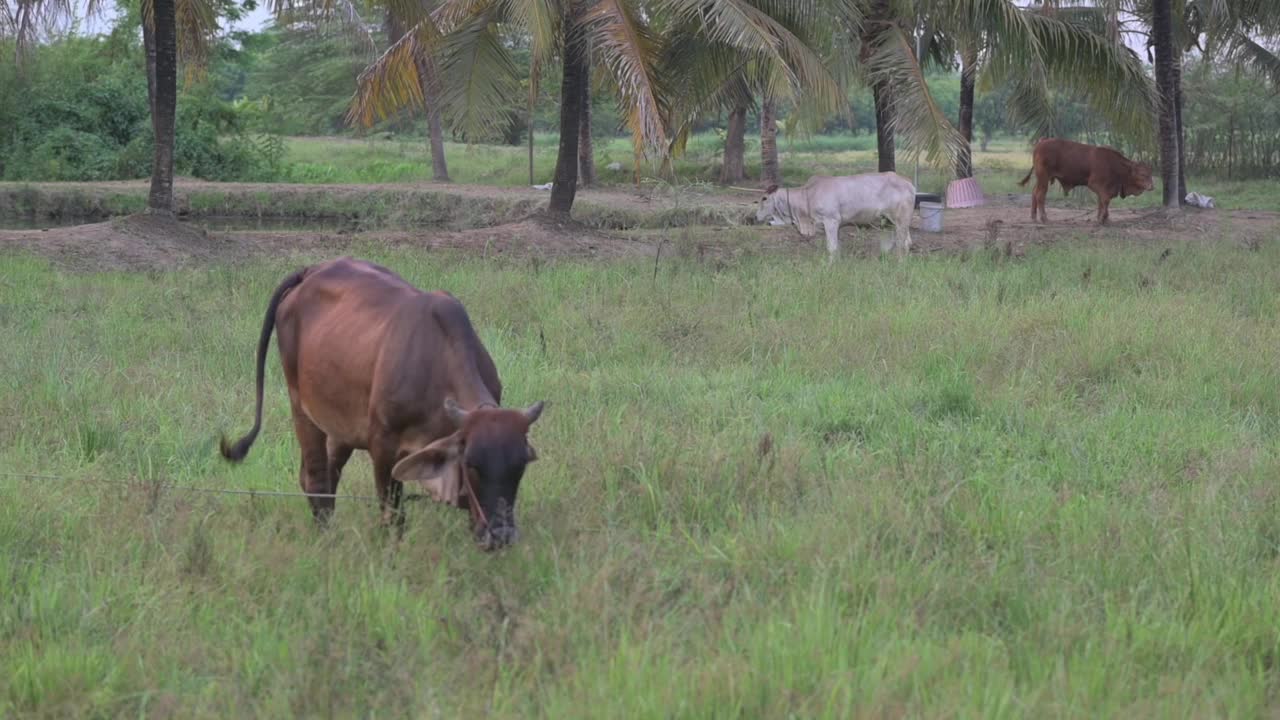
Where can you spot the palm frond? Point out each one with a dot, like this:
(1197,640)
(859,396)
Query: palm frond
(542,20)
(451,15)
(1030,104)
(196,22)
(343,17)
(390,83)
(998,25)
(1257,56)
(703,77)
(740,24)
(623,44)
(29,19)
(1107,76)
(917,118)
(478,78)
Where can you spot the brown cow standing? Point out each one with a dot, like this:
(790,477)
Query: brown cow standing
(1102,169)
(373,363)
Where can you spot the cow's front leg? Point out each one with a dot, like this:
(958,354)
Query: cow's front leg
(833,238)
(383,454)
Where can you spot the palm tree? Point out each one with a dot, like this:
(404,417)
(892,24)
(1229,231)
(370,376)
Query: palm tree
(733,167)
(586,148)
(24,20)
(174,33)
(877,28)
(162,76)
(428,76)
(1162,40)
(478,77)
(1227,29)
(1034,49)
(968,88)
(770,173)
(725,74)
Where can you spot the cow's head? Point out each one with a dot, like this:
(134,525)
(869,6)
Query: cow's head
(1139,180)
(489,450)
(773,208)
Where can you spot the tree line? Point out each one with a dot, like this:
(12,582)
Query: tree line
(480,69)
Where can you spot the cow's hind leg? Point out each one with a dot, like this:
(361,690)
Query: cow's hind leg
(1038,197)
(314,474)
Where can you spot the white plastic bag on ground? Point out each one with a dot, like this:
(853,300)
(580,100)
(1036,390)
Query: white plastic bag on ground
(1200,201)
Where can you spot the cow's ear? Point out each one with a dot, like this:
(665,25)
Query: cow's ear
(770,190)
(430,466)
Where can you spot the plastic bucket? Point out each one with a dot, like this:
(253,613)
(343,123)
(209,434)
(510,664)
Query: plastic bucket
(926,197)
(931,217)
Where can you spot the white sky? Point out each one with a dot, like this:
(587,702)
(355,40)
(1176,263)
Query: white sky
(260,18)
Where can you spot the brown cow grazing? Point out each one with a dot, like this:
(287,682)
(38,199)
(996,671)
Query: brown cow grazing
(1102,169)
(375,364)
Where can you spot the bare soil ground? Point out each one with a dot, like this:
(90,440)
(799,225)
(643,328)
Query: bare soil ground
(144,243)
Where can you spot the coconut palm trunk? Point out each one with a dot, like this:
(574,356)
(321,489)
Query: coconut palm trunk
(435,133)
(884,127)
(429,81)
(732,170)
(880,13)
(769,170)
(164,107)
(586,149)
(149,45)
(968,80)
(565,183)
(1182,135)
(1162,39)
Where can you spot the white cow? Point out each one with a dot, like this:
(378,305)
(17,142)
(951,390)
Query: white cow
(846,200)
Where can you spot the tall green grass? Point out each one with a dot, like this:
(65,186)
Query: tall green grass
(948,487)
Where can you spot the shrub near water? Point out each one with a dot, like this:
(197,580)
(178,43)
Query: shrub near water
(938,488)
(78,111)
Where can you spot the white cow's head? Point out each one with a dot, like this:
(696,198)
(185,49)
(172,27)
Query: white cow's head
(774,207)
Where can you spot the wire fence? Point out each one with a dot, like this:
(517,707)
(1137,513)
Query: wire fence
(160,484)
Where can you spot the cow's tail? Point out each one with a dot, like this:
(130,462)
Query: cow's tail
(1023,181)
(237,452)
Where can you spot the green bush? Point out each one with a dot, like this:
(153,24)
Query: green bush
(78,110)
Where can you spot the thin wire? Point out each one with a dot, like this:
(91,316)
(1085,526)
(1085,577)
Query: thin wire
(188,488)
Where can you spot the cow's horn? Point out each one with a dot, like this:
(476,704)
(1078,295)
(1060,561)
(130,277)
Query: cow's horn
(532,412)
(455,413)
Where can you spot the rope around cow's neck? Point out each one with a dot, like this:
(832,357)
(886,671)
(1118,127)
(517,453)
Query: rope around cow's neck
(474,499)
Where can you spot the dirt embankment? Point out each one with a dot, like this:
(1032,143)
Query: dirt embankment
(379,206)
(505,222)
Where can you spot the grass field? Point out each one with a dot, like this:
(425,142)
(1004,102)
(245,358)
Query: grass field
(344,160)
(1040,488)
